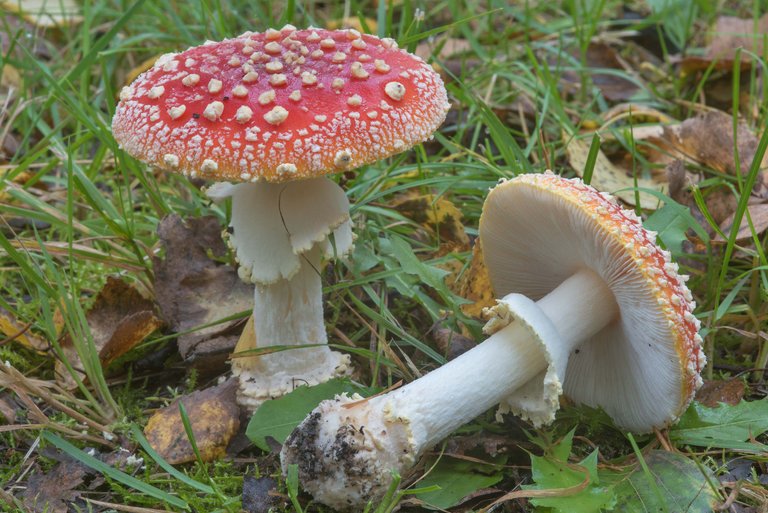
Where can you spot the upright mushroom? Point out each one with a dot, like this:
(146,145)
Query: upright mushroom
(592,308)
(277,111)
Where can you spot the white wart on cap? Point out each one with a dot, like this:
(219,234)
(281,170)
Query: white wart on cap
(279,106)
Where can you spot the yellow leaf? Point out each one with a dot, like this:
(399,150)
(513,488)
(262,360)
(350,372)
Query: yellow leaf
(475,285)
(214,416)
(437,214)
(20,178)
(353,22)
(10,328)
(141,68)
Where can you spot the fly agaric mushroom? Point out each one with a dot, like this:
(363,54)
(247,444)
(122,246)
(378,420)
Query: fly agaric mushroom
(277,111)
(603,317)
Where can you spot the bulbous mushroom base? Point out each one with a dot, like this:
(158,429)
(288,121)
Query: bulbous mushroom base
(264,382)
(346,451)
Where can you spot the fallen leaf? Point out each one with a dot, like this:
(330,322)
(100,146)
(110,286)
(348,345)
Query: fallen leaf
(604,68)
(442,48)
(448,54)
(640,115)
(143,66)
(450,343)
(554,471)
(10,328)
(439,215)
(194,290)
(259,494)
(731,33)
(19,178)
(728,34)
(45,13)
(758,213)
(610,178)
(277,418)
(10,82)
(119,319)
(353,22)
(676,484)
(714,392)
(457,478)
(214,416)
(50,492)
(734,427)
(708,140)
(475,285)
(8,409)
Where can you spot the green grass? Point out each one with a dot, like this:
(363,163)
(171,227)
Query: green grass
(74,209)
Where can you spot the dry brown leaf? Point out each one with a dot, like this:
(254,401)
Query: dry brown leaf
(8,409)
(599,56)
(45,13)
(50,492)
(12,329)
(731,33)
(475,285)
(759,215)
(714,392)
(610,178)
(728,34)
(450,343)
(214,416)
(194,290)
(447,53)
(439,215)
(446,48)
(119,319)
(353,22)
(708,140)
(246,342)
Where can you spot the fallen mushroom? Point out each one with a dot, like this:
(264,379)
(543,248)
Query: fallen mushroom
(277,111)
(592,308)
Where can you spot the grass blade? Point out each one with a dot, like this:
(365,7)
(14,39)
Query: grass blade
(139,437)
(113,473)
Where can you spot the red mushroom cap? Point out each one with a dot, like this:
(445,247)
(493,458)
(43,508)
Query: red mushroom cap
(280,105)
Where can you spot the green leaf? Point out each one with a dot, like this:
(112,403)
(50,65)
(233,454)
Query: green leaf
(726,427)
(673,483)
(411,264)
(458,478)
(278,417)
(671,222)
(552,471)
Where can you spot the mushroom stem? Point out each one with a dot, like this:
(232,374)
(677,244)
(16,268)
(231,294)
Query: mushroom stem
(391,431)
(483,376)
(281,232)
(289,313)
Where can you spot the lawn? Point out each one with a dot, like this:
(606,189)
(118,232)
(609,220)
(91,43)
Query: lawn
(121,305)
